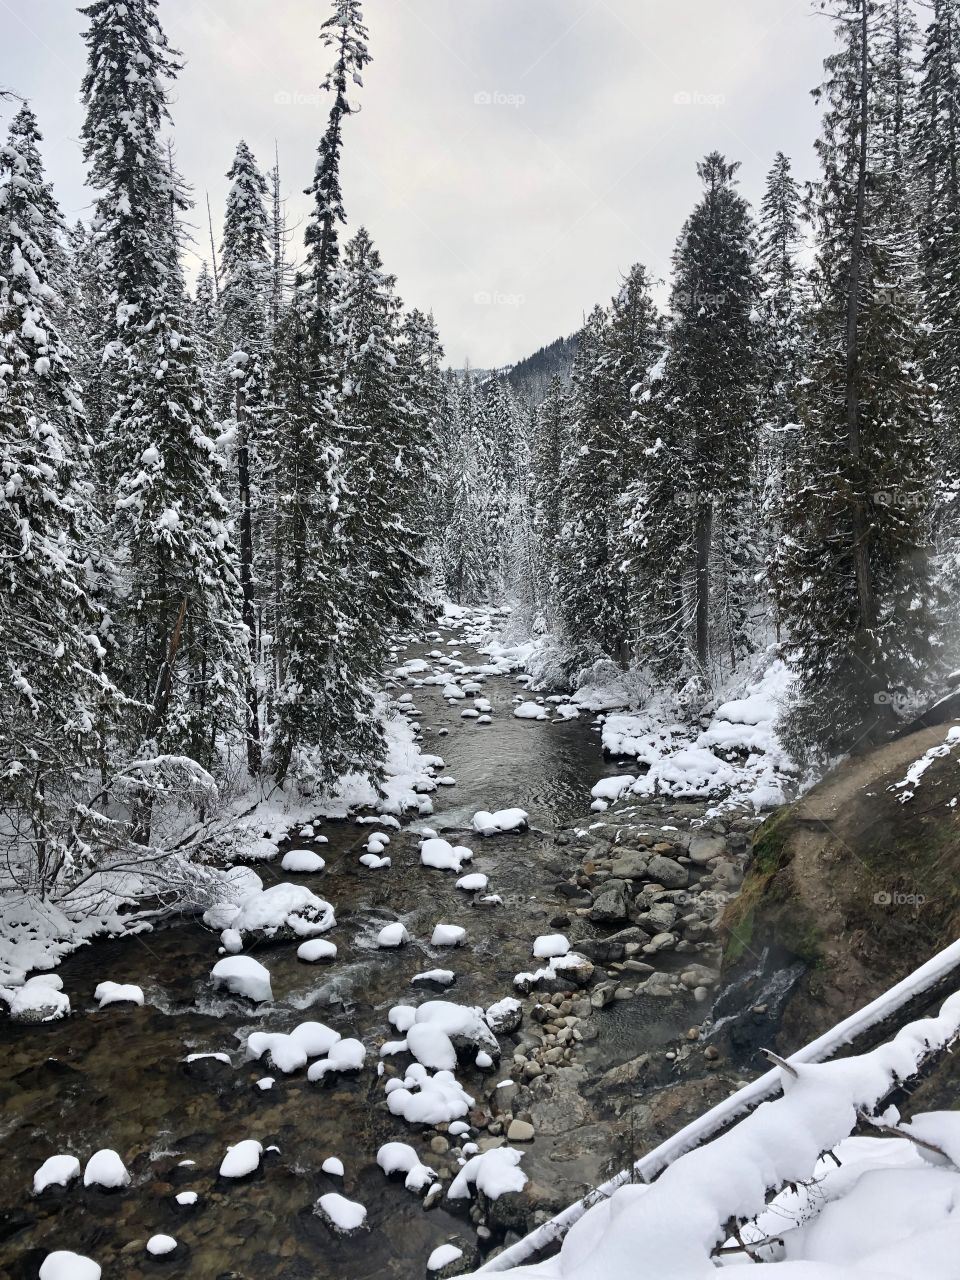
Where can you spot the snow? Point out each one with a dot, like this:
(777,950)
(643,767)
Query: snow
(315,1038)
(495,1173)
(398,1157)
(444,1256)
(64,1265)
(160,1245)
(56,1171)
(345,1055)
(676,1220)
(442,977)
(549,945)
(303,861)
(285,1053)
(315,949)
(38,1000)
(374,862)
(242,1159)
(118,993)
(473,883)
(284,907)
(488,824)
(106,1169)
(613,788)
(243,976)
(186,1198)
(422,1098)
(530,711)
(448,935)
(393,935)
(333,1167)
(343,1214)
(444,856)
(432,1047)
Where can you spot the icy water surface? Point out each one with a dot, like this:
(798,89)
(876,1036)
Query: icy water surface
(117,1078)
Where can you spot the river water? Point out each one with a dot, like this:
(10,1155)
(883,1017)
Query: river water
(117,1077)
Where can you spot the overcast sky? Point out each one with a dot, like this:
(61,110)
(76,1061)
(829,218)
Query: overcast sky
(512,158)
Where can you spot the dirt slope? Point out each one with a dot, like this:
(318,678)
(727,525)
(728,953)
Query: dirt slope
(858,882)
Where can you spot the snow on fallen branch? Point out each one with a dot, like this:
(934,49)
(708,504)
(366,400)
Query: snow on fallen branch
(836,1093)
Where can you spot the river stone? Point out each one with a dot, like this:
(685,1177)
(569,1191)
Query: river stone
(624,1076)
(698,975)
(630,864)
(603,995)
(658,984)
(610,904)
(704,849)
(661,942)
(604,950)
(660,917)
(667,872)
(520,1131)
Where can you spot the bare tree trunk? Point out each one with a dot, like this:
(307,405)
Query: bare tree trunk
(704,538)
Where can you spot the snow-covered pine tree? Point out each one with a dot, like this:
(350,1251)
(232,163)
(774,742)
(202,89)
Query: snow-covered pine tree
(207,323)
(464,553)
(324,707)
(780,352)
(853,579)
(383,545)
(586,558)
(244,297)
(936,150)
(424,392)
(345,33)
(56,698)
(177,607)
(711,378)
(549,444)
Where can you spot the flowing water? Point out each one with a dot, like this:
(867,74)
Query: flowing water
(117,1077)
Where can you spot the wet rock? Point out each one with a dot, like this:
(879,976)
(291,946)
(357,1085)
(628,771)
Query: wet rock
(610,904)
(660,942)
(603,995)
(660,917)
(520,1131)
(667,872)
(704,849)
(630,864)
(623,1077)
(698,975)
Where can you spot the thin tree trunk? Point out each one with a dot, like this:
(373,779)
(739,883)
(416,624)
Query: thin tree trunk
(248,611)
(704,537)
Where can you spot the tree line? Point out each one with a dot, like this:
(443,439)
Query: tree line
(212,506)
(775,458)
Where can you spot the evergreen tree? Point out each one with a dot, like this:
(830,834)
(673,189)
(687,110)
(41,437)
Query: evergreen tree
(710,371)
(177,606)
(936,148)
(344,32)
(853,579)
(780,354)
(245,267)
(56,698)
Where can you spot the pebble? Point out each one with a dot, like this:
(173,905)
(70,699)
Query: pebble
(520,1131)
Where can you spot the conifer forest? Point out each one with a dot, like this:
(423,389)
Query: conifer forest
(622,676)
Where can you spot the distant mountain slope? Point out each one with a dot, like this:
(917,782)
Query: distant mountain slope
(531,377)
